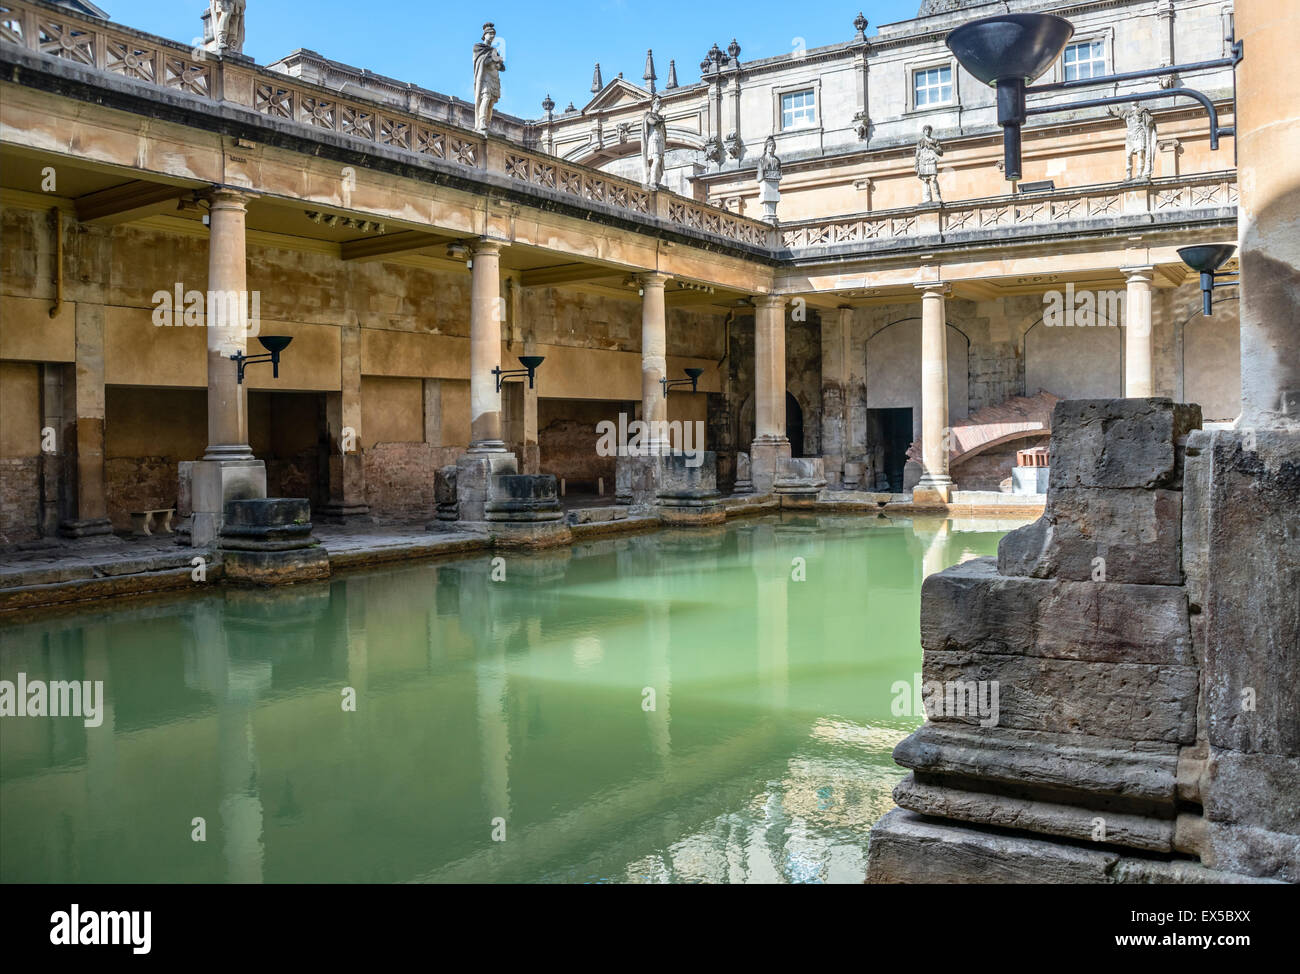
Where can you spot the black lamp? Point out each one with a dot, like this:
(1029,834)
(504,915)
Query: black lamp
(1206,261)
(693,379)
(1009,51)
(529,363)
(274,344)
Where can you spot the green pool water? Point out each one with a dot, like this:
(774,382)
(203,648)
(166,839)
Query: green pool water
(711,705)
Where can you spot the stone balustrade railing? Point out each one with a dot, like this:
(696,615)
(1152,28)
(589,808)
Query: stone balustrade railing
(59,32)
(1029,210)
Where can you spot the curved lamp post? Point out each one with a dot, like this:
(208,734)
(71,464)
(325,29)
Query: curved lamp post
(1010,51)
(274,344)
(529,363)
(1206,261)
(693,378)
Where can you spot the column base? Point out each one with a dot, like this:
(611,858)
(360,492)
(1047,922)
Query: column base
(488,447)
(933,491)
(765,456)
(474,475)
(799,481)
(213,483)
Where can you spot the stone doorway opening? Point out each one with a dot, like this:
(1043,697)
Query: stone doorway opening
(794,425)
(893,435)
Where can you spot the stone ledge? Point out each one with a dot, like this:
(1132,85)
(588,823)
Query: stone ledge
(1144,770)
(909,848)
(1032,815)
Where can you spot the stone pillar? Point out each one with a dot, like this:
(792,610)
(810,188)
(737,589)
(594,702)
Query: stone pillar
(1138,373)
(1268,143)
(347,497)
(227,331)
(228,470)
(654,361)
(1242,509)
(836,435)
(81,438)
(485,349)
(770,443)
(935,485)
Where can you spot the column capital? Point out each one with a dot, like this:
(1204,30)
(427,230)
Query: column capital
(934,287)
(1138,272)
(653,279)
(485,247)
(775,302)
(228,197)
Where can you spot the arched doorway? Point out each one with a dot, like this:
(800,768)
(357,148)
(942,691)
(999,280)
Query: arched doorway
(794,425)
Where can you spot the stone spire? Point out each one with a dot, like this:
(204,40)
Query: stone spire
(650,75)
(596,83)
(672,75)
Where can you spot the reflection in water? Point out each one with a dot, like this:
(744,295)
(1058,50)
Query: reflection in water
(678,707)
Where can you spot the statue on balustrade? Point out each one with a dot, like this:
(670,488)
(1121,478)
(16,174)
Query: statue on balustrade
(769,180)
(654,143)
(1139,141)
(223,27)
(488,65)
(928,151)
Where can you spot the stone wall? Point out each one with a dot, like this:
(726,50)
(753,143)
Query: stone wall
(1082,629)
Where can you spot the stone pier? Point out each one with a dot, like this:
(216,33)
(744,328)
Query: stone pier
(1081,636)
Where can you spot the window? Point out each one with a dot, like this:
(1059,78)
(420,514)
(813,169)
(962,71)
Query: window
(1087,59)
(932,86)
(798,109)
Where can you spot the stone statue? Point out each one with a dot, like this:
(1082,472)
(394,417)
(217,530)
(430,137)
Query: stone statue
(928,151)
(769,180)
(1139,141)
(654,142)
(488,65)
(223,32)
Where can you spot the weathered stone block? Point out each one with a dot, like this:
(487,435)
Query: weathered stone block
(1253,789)
(909,848)
(474,474)
(1120,442)
(444,493)
(1243,563)
(687,491)
(1131,701)
(1101,535)
(1077,822)
(972,608)
(523,498)
(744,477)
(268,541)
(799,480)
(1143,770)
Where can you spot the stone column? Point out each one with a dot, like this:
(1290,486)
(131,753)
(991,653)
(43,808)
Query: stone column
(836,435)
(935,485)
(1138,375)
(770,443)
(1268,143)
(487,457)
(82,440)
(654,361)
(485,349)
(228,470)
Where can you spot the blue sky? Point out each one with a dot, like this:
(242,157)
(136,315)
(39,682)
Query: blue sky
(547,48)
